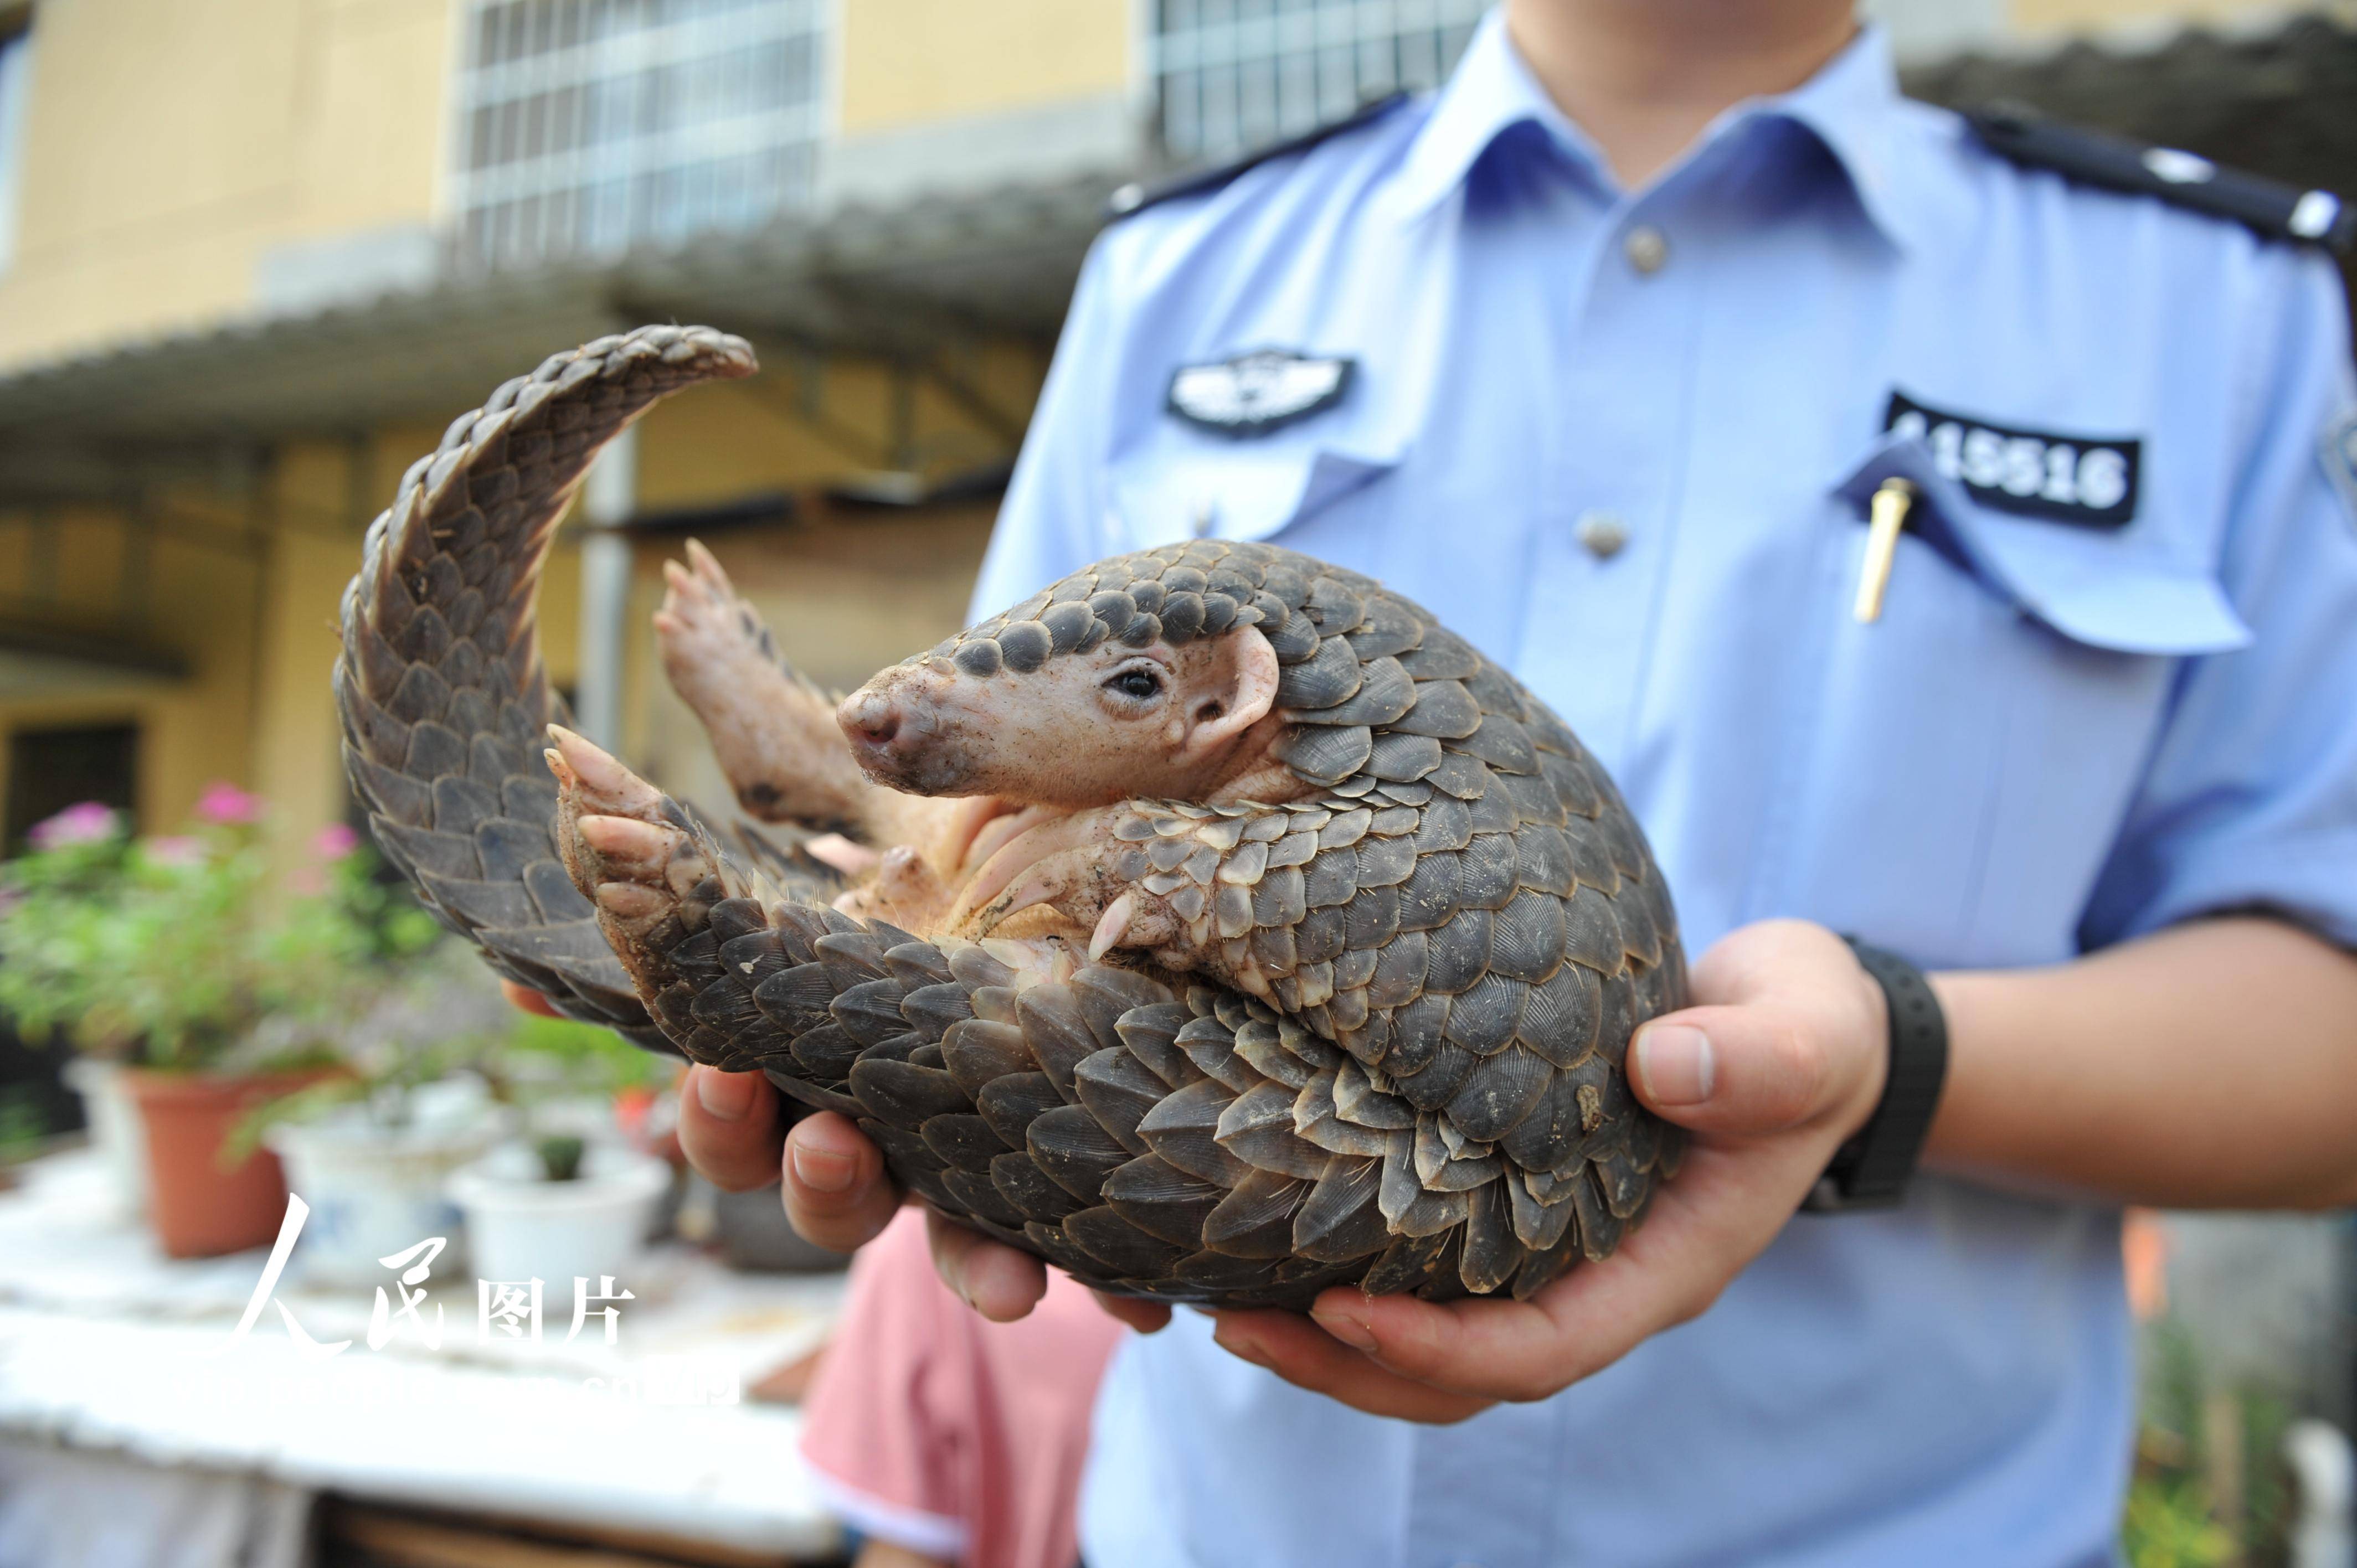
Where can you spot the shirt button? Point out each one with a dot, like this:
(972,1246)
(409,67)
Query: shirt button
(1601,533)
(1647,248)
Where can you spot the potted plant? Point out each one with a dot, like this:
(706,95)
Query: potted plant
(216,983)
(370,1150)
(568,1197)
(74,854)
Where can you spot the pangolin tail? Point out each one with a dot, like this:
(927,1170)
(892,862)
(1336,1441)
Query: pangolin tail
(443,694)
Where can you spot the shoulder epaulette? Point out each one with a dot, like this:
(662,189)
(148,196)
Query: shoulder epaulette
(2270,206)
(1139,195)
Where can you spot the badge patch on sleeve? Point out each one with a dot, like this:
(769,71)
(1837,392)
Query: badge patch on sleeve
(2087,479)
(2338,451)
(1255,393)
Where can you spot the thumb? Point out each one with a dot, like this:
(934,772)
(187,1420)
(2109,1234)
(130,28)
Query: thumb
(1740,1071)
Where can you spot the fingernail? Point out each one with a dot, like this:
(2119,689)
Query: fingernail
(1675,1062)
(725,1096)
(1347,1324)
(820,1170)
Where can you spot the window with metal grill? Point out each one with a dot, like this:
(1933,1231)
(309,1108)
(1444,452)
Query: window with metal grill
(1232,75)
(588,127)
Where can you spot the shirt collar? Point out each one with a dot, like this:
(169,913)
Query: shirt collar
(1847,106)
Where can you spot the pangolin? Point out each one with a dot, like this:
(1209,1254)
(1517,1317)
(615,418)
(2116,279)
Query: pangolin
(1280,940)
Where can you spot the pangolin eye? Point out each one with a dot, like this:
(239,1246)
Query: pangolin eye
(1136,683)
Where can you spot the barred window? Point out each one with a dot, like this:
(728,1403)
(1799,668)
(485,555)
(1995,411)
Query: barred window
(1232,75)
(588,126)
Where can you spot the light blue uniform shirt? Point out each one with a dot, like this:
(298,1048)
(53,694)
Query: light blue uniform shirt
(2057,735)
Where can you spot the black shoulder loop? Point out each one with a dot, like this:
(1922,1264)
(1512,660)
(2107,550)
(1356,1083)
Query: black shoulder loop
(2269,207)
(1138,195)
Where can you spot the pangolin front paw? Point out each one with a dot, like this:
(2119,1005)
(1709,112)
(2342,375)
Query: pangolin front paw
(1080,866)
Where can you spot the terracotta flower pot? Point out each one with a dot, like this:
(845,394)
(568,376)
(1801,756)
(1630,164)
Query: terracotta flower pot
(197,1206)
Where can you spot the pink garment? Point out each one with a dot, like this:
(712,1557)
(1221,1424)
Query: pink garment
(928,1427)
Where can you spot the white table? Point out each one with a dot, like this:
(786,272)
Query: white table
(108,1348)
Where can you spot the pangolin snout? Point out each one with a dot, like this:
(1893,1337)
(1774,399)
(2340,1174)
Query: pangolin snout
(894,727)
(870,719)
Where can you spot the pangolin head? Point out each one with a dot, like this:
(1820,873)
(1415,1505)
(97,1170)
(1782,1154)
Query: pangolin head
(1143,675)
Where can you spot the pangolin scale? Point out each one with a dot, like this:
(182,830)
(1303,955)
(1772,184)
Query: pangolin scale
(1380,1041)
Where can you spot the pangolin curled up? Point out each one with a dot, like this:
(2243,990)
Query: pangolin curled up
(1280,940)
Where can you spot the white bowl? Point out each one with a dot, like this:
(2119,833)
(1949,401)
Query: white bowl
(520,1226)
(375,1191)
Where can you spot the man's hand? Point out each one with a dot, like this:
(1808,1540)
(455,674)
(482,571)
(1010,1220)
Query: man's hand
(1781,1059)
(837,1194)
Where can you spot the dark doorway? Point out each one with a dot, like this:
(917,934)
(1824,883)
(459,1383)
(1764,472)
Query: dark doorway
(50,769)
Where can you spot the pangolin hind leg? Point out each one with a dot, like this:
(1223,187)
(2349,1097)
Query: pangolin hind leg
(772,729)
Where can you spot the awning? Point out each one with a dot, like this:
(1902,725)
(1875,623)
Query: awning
(891,284)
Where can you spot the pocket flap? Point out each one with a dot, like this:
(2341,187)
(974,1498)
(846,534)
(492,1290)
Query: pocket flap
(1235,493)
(2109,590)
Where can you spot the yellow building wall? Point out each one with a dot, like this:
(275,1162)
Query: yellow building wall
(904,61)
(168,145)
(171,146)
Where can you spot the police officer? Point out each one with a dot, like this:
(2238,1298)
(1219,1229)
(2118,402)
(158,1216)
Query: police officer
(1943,533)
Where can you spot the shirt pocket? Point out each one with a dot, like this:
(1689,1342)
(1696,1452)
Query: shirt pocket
(1964,764)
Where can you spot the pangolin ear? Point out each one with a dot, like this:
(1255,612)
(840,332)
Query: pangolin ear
(1238,689)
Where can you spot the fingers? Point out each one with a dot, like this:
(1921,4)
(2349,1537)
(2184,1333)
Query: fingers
(1464,1355)
(1146,1316)
(1796,1038)
(527,999)
(1744,1071)
(1303,1354)
(729,1128)
(835,1189)
(996,1280)
(1489,1350)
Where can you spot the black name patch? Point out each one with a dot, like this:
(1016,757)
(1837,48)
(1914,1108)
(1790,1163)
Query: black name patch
(1255,393)
(2087,479)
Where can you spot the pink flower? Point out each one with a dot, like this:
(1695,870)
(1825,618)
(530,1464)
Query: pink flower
(86,823)
(334,841)
(180,849)
(225,805)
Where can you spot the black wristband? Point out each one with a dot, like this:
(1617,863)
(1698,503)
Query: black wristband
(1872,1169)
